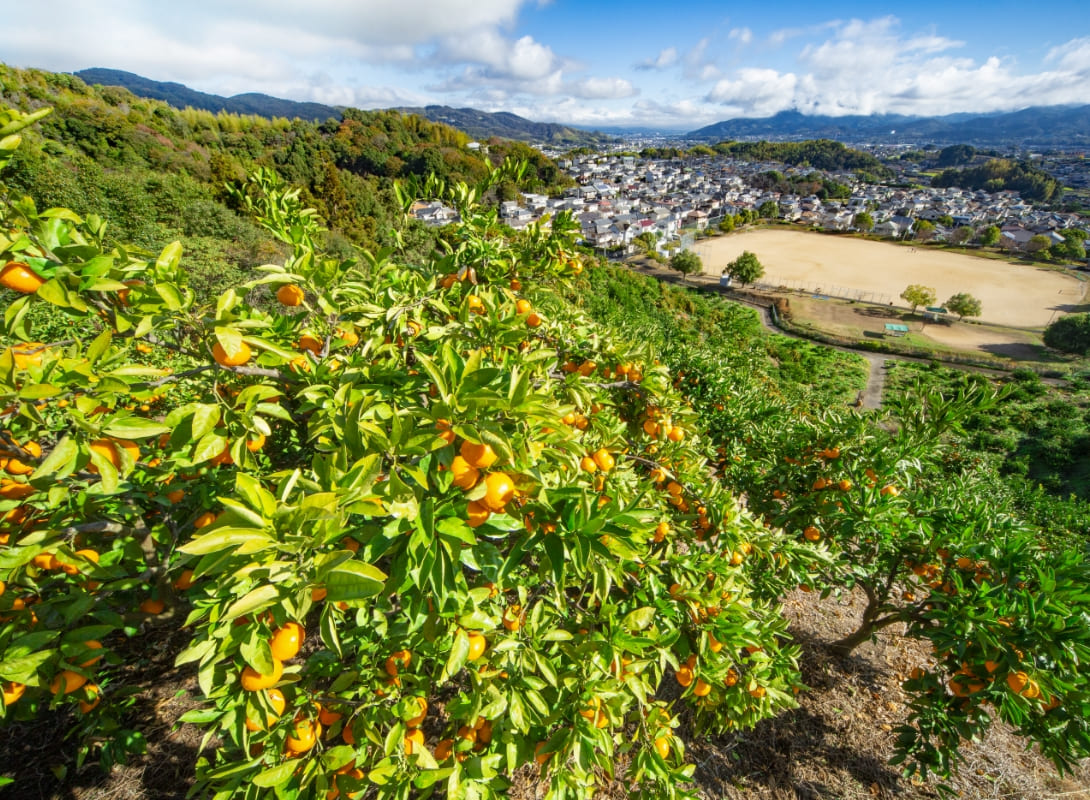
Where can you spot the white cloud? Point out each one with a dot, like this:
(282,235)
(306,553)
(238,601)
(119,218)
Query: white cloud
(522,59)
(868,67)
(741,35)
(665,58)
(603,88)
(698,65)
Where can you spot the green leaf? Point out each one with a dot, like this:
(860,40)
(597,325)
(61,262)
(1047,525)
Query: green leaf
(60,460)
(25,668)
(252,601)
(224,538)
(459,652)
(205,417)
(168,259)
(275,776)
(354,580)
(100,345)
(135,428)
(639,619)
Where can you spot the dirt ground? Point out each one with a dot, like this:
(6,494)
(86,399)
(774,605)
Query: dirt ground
(1010,294)
(861,319)
(835,745)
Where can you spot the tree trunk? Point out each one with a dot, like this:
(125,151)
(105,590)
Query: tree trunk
(870,625)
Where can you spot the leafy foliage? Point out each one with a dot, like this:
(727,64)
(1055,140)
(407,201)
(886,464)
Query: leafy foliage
(918,295)
(1070,333)
(747,268)
(686,262)
(964,305)
(1002,174)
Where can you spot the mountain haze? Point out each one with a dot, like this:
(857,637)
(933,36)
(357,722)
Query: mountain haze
(1041,125)
(484,125)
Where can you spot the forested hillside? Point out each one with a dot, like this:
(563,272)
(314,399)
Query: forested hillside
(159,173)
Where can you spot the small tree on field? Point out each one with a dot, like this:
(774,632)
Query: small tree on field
(726,225)
(1071,334)
(745,269)
(989,236)
(863,221)
(1038,244)
(918,295)
(686,262)
(768,210)
(964,305)
(924,230)
(961,235)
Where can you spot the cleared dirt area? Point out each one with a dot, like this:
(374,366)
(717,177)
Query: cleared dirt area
(1011,294)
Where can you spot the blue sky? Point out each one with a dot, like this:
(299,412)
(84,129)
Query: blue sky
(602,62)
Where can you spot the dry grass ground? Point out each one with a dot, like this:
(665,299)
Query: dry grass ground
(835,745)
(1011,294)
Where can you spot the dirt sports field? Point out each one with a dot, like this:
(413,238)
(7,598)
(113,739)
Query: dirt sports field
(1010,294)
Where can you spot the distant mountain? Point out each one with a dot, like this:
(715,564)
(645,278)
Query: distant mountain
(484,125)
(181,96)
(1038,126)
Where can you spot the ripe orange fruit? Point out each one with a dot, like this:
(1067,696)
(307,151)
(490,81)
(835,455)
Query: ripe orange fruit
(205,519)
(662,530)
(422,706)
(414,741)
(702,688)
(286,641)
(684,675)
(523,306)
(890,491)
(811,533)
(475,304)
(443,749)
(1017,681)
(240,357)
(662,746)
(731,678)
(184,581)
(290,295)
(512,617)
(152,606)
(94,697)
(349,336)
(66,682)
(539,756)
(254,681)
(254,445)
(14,466)
(465,474)
(311,343)
(587,464)
(92,644)
(533,320)
(110,449)
(481,456)
(477,645)
(477,513)
(12,691)
(304,735)
(499,490)
(401,658)
(278,703)
(675,434)
(175,495)
(757,691)
(604,459)
(713,644)
(20,278)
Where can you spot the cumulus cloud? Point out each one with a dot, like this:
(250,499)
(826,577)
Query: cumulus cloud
(665,58)
(868,66)
(698,64)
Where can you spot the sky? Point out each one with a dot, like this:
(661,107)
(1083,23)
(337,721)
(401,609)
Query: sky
(599,63)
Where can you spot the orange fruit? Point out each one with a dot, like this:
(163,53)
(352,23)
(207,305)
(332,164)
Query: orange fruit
(28,354)
(890,491)
(533,320)
(94,697)
(684,675)
(92,644)
(205,519)
(499,490)
(586,463)
(465,474)
(327,716)
(702,688)
(304,735)
(152,606)
(401,658)
(254,681)
(675,434)
(650,427)
(20,278)
(240,357)
(414,741)
(481,456)
(184,581)
(290,295)
(310,343)
(66,682)
(254,445)
(349,336)
(477,513)
(811,533)
(662,746)
(604,459)
(110,449)
(477,645)
(175,495)
(757,691)
(1017,681)
(443,749)
(422,712)
(286,641)
(662,530)
(12,691)
(523,306)
(278,703)
(713,644)
(539,756)
(512,618)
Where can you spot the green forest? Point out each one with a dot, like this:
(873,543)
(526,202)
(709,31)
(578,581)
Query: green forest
(1002,174)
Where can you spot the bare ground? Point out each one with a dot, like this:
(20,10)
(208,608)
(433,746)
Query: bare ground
(835,745)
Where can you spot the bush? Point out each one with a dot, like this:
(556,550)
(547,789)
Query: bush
(1070,334)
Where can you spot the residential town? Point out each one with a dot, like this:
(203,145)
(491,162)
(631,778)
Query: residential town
(619,197)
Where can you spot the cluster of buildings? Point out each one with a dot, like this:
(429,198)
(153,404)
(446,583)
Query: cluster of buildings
(619,197)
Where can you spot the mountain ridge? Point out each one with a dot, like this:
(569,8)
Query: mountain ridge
(1036,125)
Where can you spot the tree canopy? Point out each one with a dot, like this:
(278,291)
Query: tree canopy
(1070,333)
(918,295)
(964,305)
(686,262)
(745,269)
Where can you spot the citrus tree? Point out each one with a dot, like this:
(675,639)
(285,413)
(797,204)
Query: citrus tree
(426,524)
(934,549)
